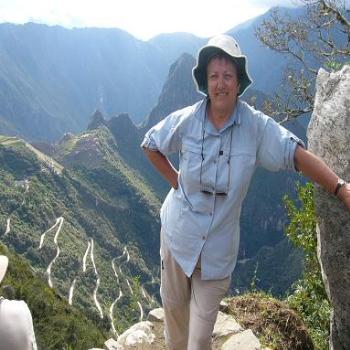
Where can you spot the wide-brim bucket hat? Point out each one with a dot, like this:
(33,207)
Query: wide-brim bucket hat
(4,261)
(228,45)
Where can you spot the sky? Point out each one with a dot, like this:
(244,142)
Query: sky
(143,18)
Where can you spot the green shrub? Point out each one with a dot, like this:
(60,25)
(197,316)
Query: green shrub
(309,297)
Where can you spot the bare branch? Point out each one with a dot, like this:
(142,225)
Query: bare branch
(320,38)
(328,8)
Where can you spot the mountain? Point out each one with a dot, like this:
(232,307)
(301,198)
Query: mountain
(86,222)
(177,92)
(52,78)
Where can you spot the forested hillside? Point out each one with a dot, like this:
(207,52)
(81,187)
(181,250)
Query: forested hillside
(57,324)
(90,229)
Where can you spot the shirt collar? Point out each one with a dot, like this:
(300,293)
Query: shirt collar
(200,113)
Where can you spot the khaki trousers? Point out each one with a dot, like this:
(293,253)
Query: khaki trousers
(190,304)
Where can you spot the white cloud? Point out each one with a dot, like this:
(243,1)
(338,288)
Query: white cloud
(143,19)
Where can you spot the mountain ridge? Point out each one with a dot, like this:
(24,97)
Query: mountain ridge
(53,78)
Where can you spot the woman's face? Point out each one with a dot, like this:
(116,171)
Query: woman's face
(223,84)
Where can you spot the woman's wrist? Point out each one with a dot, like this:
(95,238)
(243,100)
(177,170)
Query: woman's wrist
(344,194)
(340,184)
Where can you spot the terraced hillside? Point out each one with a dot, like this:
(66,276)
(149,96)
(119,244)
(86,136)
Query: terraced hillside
(86,223)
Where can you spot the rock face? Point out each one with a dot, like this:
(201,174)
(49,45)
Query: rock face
(329,138)
(228,334)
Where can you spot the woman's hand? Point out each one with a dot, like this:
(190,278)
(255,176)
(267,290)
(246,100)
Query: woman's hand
(344,195)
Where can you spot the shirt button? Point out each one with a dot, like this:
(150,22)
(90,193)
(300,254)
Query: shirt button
(203,237)
(211,213)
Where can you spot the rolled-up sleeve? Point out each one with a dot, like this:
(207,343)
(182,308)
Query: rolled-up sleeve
(277,147)
(164,136)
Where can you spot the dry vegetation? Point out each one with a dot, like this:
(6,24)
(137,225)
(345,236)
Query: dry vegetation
(276,325)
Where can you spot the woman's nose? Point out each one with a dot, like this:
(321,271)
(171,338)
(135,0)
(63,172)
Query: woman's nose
(221,82)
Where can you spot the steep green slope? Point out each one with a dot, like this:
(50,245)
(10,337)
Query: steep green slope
(93,158)
(272,269)
(97,218)
(57,325)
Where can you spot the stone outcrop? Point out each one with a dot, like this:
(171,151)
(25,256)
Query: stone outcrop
(148,335)
(329,138)
(139,333)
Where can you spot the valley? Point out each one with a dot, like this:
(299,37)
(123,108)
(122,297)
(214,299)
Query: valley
(79,201)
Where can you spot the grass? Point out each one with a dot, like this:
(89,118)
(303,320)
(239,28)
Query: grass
(272,321)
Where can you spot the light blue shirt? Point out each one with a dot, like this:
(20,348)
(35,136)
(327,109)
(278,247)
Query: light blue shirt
(216,161)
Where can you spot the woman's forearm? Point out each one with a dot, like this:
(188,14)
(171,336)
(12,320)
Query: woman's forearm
(163,165)
(315,168)
(318,171)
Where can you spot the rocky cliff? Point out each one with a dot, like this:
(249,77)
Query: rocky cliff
(329,138)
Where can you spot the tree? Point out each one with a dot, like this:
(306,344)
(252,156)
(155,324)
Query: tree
(319,37)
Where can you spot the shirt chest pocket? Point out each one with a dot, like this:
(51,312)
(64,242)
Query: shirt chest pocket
(243,166)
(193,199)
(190,167)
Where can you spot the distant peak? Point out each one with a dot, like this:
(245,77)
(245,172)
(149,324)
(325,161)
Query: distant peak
(97,120)
(121,118)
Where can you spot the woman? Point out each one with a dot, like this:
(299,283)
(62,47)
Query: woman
(16,325)
(221,141)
